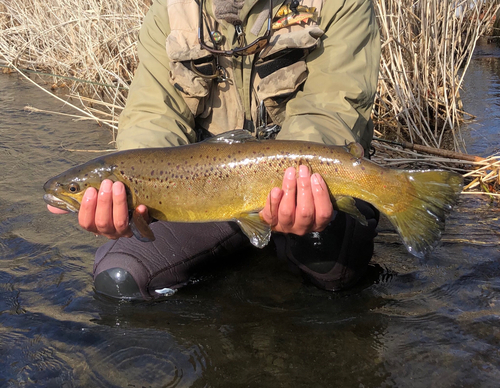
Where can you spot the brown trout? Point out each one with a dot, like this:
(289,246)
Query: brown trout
(228,178)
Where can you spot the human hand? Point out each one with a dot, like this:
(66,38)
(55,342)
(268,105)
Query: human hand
(301,206)
(106,212)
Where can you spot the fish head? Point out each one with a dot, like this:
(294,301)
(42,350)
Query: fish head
(65,191)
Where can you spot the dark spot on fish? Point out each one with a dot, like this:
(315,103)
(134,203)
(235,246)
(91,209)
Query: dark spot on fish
(147,196)
(161,172)
(159,202)
(133,168)
(136,191)
(363,168)
(135,181)
(215,159)
(86,175)
(152,172)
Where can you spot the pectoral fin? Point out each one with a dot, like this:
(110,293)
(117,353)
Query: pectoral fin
(348,205)
(140,227)
(255,228)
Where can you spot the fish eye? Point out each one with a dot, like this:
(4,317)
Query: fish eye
(74,187)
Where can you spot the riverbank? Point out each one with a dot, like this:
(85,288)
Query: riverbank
(90,47)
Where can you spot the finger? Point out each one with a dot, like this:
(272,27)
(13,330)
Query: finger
(270,211)
(86,214)
(120,210)
(304,214)
(286,211)
(104,210)
(324,211)
(56,210)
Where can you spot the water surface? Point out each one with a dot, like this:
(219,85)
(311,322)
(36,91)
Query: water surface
(251,322)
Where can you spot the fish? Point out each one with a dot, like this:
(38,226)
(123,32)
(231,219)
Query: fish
(294,18)
(228,178)
(286,9)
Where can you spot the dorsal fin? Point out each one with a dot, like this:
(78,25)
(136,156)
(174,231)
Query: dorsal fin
(231,137)
(355,149)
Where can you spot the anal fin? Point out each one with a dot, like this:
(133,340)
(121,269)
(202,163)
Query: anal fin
(255,228)
(348,205)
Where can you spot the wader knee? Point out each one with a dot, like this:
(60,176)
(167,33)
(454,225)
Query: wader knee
(129,269)
(337,257)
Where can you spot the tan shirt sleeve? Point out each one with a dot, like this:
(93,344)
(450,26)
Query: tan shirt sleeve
(337,99)
(155,115)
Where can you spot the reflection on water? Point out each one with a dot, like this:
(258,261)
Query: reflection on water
(251,322)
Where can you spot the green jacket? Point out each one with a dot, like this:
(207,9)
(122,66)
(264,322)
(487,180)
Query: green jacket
(326,96)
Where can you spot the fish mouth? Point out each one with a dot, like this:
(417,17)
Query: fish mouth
(52,200)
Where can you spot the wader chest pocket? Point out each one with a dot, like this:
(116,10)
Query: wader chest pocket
(281,68)
(193,79)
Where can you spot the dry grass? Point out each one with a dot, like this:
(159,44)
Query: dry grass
(91,43)
(426,50)
(90,46)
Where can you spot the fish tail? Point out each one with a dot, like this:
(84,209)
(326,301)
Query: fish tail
(422,220)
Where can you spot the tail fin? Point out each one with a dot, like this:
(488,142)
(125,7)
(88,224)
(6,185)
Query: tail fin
(421,223)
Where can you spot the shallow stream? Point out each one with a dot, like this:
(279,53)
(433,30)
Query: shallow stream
(251,322)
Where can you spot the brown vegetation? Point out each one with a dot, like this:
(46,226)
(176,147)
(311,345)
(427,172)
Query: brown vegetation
(426,49)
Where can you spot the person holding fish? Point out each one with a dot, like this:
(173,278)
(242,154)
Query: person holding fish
(292,70)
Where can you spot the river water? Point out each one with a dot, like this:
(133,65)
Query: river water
(251,322)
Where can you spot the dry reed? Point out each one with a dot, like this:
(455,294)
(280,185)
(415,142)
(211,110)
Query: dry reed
(426,49)
(91,43)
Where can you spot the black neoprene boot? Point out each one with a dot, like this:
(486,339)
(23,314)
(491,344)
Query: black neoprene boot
(337,257)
